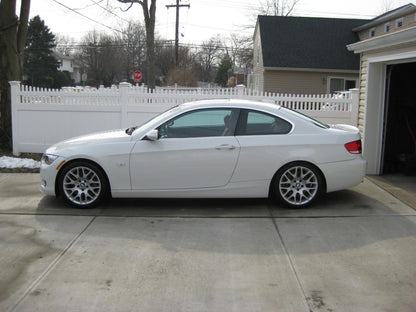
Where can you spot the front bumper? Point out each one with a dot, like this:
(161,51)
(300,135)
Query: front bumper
(48,175)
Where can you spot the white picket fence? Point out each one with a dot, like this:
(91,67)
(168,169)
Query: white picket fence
(42,117)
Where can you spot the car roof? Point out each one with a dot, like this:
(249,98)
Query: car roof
(231,103)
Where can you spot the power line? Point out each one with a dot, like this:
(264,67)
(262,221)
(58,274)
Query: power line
(89,18)
(109,11)
(177,6)
(161,44)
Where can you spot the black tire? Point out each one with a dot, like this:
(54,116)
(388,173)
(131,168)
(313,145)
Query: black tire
(297,184)
(82,184)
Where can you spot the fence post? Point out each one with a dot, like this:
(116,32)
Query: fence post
(15,101)
(355,105)
(240,90)
(124,100)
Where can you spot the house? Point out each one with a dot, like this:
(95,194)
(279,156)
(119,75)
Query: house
(68,63)
(387,118)
(304,55)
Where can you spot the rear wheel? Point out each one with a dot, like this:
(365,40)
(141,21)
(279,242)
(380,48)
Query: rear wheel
(298,184)
(82,184)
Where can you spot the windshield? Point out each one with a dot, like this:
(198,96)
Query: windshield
(308,119)
(156,119)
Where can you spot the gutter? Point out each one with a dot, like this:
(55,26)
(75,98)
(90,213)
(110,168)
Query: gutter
(400,37)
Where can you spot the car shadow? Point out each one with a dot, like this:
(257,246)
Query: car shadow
(366,214)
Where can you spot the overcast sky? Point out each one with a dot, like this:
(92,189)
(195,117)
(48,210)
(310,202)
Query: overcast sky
(204,18)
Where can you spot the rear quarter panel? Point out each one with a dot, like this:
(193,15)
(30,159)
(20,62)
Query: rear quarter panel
(262,156)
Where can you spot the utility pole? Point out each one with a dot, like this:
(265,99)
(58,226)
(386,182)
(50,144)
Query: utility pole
(177,6)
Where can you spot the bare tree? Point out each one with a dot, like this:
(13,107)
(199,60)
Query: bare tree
(277,7)
(64,44)
(207,57)
(149,13)
(102,55)
(133,42)
(386,5)
(13,31)
(240,49)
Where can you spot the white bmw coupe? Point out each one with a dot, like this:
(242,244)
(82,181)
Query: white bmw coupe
(216,149)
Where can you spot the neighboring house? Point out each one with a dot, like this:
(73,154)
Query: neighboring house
(387,116)
(304,55)
(68,63)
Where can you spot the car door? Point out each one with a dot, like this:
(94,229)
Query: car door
(195,150)
(264,142)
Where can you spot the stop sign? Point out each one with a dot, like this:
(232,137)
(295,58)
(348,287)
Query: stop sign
(137,75)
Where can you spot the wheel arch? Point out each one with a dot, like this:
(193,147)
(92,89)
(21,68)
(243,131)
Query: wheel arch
(66,164)
(272,181)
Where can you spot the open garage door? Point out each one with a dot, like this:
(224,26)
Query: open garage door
(399,138)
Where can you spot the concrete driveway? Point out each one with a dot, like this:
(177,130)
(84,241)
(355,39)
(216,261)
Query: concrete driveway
(355,250)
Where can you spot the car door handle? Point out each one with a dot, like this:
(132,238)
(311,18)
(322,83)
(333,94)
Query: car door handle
(225,147)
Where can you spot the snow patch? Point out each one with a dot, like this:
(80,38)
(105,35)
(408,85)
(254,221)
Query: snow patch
(13,162)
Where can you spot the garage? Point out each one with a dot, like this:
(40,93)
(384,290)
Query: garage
(399,137)
(387,109)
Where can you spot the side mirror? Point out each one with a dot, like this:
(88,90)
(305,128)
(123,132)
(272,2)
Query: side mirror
(152,135)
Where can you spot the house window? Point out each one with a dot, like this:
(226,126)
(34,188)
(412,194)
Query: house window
(372,32)
(341,84)
(399,22)
(387,27)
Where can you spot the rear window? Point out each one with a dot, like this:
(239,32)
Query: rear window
(308,119)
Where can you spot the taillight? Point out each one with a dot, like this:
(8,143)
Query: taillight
(354,147)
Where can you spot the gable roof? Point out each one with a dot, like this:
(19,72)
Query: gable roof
(307,42)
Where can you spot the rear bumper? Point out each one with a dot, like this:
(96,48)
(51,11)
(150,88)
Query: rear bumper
(345,174)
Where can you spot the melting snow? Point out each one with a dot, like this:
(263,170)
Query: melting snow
(13,162)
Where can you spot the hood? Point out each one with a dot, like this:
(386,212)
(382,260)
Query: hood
(104,137)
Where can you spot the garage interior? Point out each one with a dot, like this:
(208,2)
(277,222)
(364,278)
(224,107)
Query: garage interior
(399,137)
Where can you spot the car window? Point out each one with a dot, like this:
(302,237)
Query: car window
(259,123)
(201,123)
(307,118)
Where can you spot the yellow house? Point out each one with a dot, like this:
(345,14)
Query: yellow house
(304,55)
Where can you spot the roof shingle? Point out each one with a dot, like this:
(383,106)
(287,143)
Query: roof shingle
(306,42)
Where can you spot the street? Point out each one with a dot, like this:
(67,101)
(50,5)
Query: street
(353,250)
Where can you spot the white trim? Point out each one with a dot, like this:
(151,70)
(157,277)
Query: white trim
(374,114)
(389,40)
(375,106)
(393,58)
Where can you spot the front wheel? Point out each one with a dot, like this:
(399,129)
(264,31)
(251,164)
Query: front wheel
(298,184)
(82,184)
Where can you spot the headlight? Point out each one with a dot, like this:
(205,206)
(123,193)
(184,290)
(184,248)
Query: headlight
(48,159)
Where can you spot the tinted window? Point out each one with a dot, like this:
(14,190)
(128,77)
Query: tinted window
(308,119)
(201,123)
(259,123)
